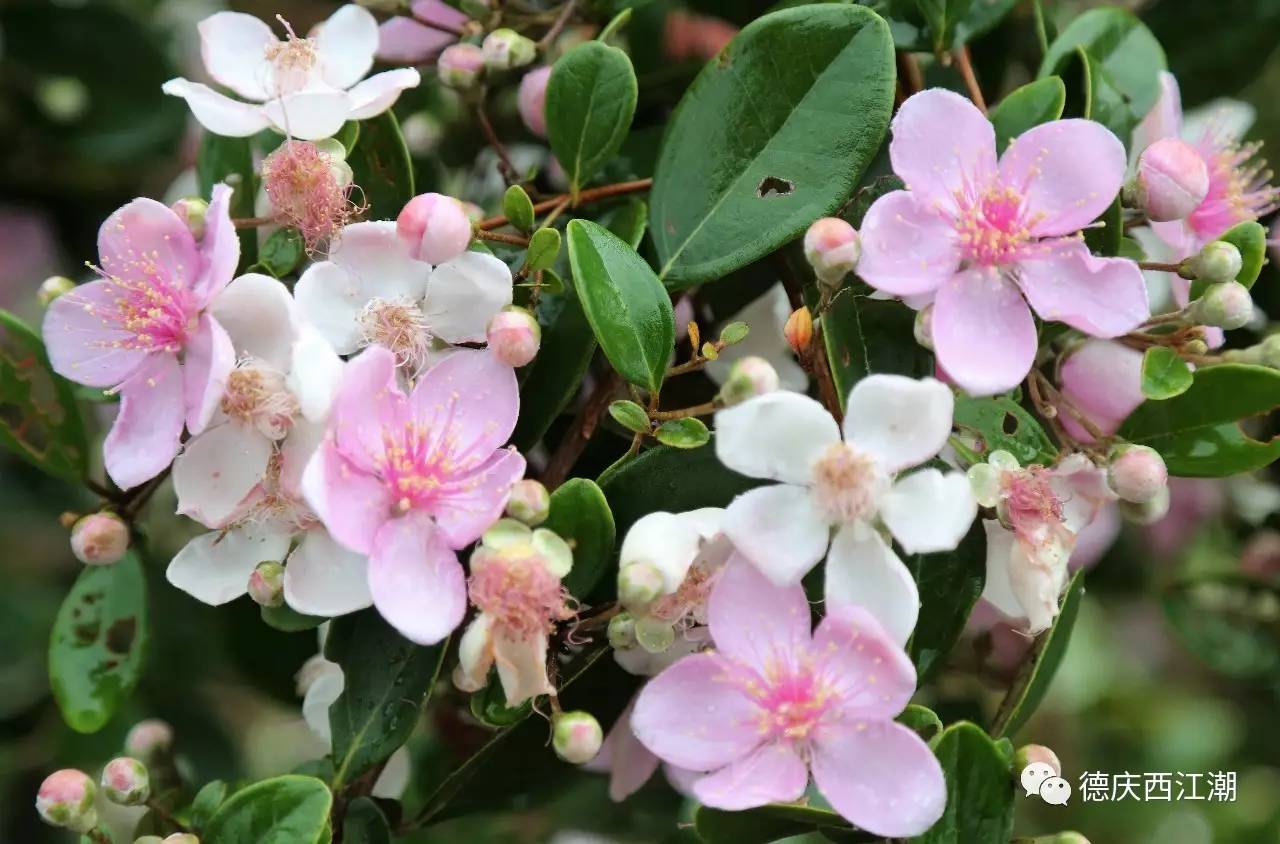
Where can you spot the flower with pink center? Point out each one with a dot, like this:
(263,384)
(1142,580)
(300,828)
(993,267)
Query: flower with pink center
(515,584)
(409,478)
(775,702)
(146,330)
(300,87)
(853,481)
(413,40)
(987,238)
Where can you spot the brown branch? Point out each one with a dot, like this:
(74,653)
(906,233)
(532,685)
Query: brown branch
(591,195)
(584,425)
(556,28)
(970,80)
(505,167)
(909,74)
(514,240)
(704,409)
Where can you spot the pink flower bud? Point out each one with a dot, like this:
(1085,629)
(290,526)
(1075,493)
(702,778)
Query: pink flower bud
(749,377)
(505,48)
(514,336)
(1226,306)
(149,739)
(798,330)
(1032,754)
(100,539)
(1172,180)
(181,838)
(923,326)
(832,247)
(65,799)
(532,100)
(266,584)
(1137,474)
(1147,512)
(577,736)
(1103,380)
(529,502)
(434,227)
(125,781)
(459,66)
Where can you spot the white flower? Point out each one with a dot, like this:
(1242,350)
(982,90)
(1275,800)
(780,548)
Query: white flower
(301,87)
(371,291)
(766,317)
(891,423)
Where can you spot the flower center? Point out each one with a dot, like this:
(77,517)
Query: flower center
(302,182)
(846,485)
(275,504)
(991,229)
(514,587)
(399,325)
(1239,188)
(149,306)
(793,700)
(292,61)
(682,606)
(256,395)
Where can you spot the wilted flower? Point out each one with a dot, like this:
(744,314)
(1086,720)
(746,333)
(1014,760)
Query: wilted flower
(309,187)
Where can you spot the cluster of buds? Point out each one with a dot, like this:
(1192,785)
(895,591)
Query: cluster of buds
(66,797)
(461,65)
(832,247)
(1172,180)
(1226,303)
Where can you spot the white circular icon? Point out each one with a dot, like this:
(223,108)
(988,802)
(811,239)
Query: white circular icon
(1035,774)
(1055,790)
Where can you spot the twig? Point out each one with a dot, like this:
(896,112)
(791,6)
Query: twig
(584,425)
(970,80)
(1159,266)
(505,166)
(562,20)
(252,222)
(513,239)
(555,211)
(591,195)
(167,816)
(704,409)
(909,73)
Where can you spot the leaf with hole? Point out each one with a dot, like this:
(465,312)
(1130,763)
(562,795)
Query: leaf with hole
(1000,423)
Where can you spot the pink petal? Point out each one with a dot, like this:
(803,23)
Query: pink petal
(1067,171)
(210,357)
(942,146)
(1165,118)
(403,40)
(697,715)
(147,431)
(628,762)
(774,773)
(753,621)
(416,581)
(1103,379)
(367,403)
(144,242)
(467,506)
(84,344)
(907,249)
(472,400)
(352,504)
(880,776)
(437,11)
(219,249)
(983,332)
(1104,297)
(874,676)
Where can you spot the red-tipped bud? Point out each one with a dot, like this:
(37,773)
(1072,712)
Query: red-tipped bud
(532,100)
(798,330)
(832,247)
(125,781)
(577,736)
(65,799)
(434,227)
(460,65)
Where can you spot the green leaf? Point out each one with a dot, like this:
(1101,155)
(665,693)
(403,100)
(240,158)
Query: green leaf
(230,161)
(381,167)
(581,516)
(348,135)
(1228,621)
(1107,233)
(734,332)
(206,803)
(552,380)
(1037,671)
(627,307)
(628,221)
(1164,374)
(489,705)
(767,823)
(544,248)
(289,620)
(923,720)
(938,25)
(388,679)
(98,642)
(980,795)
(39,418)
(1000,423)
(1198,433)
(1251,239)
(518,208)
(762,144)
(630,415)
(1036,102)
(285,810)
(949,583)
(591,98)
(282,252)
(365,824)
(689,432)
(866,336)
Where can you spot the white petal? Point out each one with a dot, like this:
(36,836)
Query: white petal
(234,49)
(928,511)
(217,113)
(215,567)
(997,590)
(330,299)
(323,578)
(303,440)
(522,666)
(475,654)
(346,44)
(464,294)
(766,318)
(379,92)
(780,529)
(217,470)
(778,436)
(315,373)
(898,420)
(309,115)
(665,541)
(394,778)
(321,694)
(862,570)
(257,313)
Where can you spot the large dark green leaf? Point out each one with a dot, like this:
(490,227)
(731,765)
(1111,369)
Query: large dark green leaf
(387,680)
(553,377)
(580,515)
(39,418)
(770,823)
(980,797)
(1198,433)
(1229,622)
(1000,423)
(591,98)
(230,160)
(365,823)
(763,143)
(1036,102)
(950,583)
(627,307)
(284,810)
(381,167)
(98,643)
(865,336)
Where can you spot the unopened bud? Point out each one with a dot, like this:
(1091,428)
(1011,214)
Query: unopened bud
(192,211)
(576,736)
(476,8)
(1217,263)
(1137,474)
(532,100)
(832,247)
(923,327)
(149,739)
(655,635)
(1195,347)
(514,336)
(749,377)
(53,287)
(1067,838)
(125,781)
(434,227)
(459,65)
(798,330)
(1032,754)
(529,502)
(65,799)
(100,539)
(505,48)
(639,584)
(266,584)
(181,838)
(1148,511)
(149,839)
(1227,305)
(622,631)
(1172,180)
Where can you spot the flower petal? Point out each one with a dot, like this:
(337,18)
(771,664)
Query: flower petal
(325,579)
(379,92)
(309,115)
(219,248)
(1103,379)
(322,692)
(464,294)
(907,248)
(146,244)
(1165,118)
(863,571)
(899,421)
(314,380)
(780,529)
(665,541)
(210,358)
(773,773)
(346,44)
(522,665)
(778,436)
(403,40)
(880,776)
(998,590)
(466,507)
(85,342)
(148,429)
(753,621)
(874,677)
(628,762)
(368,404)
(217,470)
(257,313)
(929,511)
(219,114)
(983,332)
(416,581)
(472,399)
(766,315)
(352,504)
(234,49)
(475,654)
(1103,297)
(215,567)
(942,146)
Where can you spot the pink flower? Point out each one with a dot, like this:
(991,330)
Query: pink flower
(144,330)
(775,702)
(629,763)
(410,478)
(404,40)
(987,238)
(1103,380)
(532,100)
